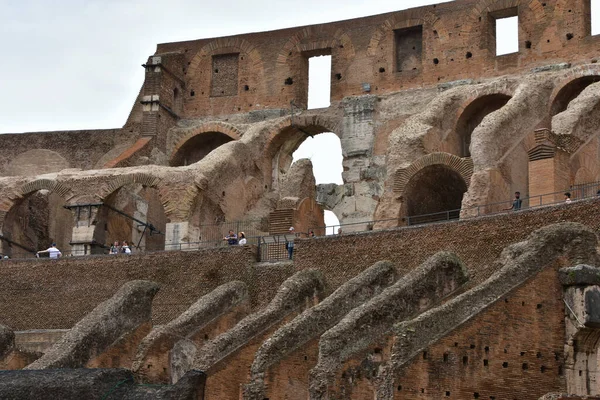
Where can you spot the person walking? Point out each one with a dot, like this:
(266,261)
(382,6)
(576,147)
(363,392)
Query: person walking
(52,251)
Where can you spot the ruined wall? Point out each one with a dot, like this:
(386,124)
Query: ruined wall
(44,152)
(398,50)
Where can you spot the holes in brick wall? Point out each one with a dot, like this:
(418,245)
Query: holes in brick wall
(486,349)
(305,358)
(527,44)
(465,360)
(505,351)
(525,366)
(538,355)
(469,55)
(246,88)
(424,355)
(338,76)
(504,364)
(486,363)
(436,61)
(192,93)
(538,306)
(556,356)
(289,81)
(436,35)
(522,353)
(205,336)
(455,344)
(475,395)
(523,303)
(445,357)
(472,346)
(560,370)
(381,70)
(580,372)
(447,394)
(506,300)
(422,390)
(399,388)
(569,36)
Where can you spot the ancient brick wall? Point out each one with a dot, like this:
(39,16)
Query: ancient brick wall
(58,150)
(478,242)
(56,294)
(393,51)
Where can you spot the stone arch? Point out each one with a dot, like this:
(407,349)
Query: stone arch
(573,83)
(36,218)
(471,114)
(462,166)
(285,137)
(140,196)
(204,133)
(36,162)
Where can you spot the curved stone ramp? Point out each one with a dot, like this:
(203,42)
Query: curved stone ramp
(94,384)
(206,310)
(316,320)
(292,295)
(438,277)
(581,118)
(517,263)
(124,313)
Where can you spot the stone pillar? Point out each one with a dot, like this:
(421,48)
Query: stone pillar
(582,323)
(548,170)
(181,236)
(84,239)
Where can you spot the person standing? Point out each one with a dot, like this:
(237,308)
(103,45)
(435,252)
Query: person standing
(289,244)
(517,202)
(242,237)
(114,249)
(232,238)
(125,248)
(52,251)
(568,198)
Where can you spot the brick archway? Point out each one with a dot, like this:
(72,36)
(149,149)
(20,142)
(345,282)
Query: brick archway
(178,138)
(279,134)
(570,78)
(463,166)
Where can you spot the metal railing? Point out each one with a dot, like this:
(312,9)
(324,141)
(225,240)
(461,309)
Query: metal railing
(273,247)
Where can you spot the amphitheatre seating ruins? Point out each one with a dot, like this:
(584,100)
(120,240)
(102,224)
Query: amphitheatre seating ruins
(433,125)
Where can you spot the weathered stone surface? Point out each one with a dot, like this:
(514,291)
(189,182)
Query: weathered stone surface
(129,308)
(202,312)
(93,384)
(316,320)
(579,275)
(7,340)
(435,279)
(292,295)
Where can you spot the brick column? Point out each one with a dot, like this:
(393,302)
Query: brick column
(548,170)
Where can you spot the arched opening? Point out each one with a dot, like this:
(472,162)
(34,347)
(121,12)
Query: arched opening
(325,153)
(126,215)
(434,194)
(472,116)
(570,92)
(198,147)
(35,223)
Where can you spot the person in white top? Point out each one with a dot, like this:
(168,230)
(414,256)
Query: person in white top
(52,251)
(242,238)
(568,198)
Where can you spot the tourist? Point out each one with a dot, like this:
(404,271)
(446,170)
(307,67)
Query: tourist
(242,237)
(125,248)
(232,238)
(568,198)
(311,234)
(340,231)
(114,249)
(289,244)
(517,202)
(52,251)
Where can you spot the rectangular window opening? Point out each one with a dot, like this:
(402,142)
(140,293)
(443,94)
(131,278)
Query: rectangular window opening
(507,35)
(595,16)
(319,82)
(408,46)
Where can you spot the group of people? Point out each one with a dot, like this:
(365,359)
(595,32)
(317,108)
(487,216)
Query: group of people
(517,202)
(233,239)
(117,248)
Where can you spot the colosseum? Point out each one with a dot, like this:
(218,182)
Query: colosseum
(467,262)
